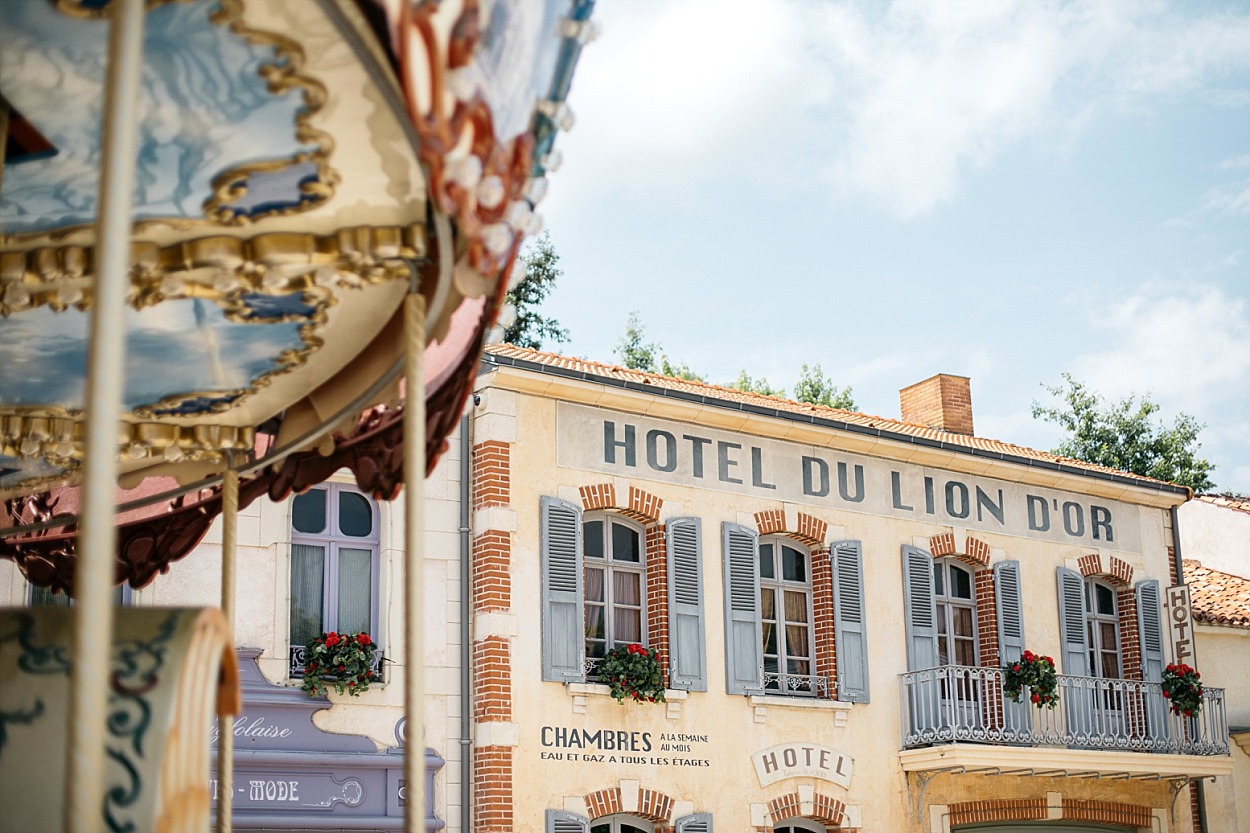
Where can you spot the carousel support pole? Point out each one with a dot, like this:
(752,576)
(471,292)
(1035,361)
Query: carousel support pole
(93,580)
(414,568)
(225,733)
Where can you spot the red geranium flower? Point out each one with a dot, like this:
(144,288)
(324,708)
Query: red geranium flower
(364,639)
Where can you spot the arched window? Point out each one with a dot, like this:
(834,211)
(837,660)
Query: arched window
(786,616)
(335,563)
(956,613)
(798,826)
(614,584)
(1102,622)
(621,824)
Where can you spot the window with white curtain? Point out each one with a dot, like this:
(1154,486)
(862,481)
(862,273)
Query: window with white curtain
(789,639)
(614,583)
(334,565)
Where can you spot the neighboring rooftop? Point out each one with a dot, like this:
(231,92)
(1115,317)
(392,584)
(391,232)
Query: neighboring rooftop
(573,367)
(1241,503)
(1217,598)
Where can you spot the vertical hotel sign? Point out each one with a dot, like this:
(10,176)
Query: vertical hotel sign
(1181,626)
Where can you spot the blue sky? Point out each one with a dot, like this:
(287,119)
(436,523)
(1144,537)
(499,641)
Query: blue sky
(1000,190)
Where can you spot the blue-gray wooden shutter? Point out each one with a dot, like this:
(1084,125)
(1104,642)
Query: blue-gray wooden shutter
(849,628)
(1010,609)
(1150,628)
(920,609)
(687,649)
(695,823)
(744,651)
(562,821)
(564,638)
(1072,635)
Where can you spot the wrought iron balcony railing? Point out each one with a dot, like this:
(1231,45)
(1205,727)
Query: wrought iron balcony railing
(953,703)
(795,685)
(297,657)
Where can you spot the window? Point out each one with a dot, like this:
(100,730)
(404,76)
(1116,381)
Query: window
(798,826)
(1102,622)
(334,565)
(956,613)
(620,824)
(788,637)
(43,597)
(614,583)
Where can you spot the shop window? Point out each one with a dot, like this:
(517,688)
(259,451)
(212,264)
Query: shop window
(798,826)
(614,607)
(562,821)
(596,594)
(771,642)
(335,563)
(787,635)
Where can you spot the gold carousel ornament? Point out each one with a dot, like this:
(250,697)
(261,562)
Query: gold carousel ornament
(243,243)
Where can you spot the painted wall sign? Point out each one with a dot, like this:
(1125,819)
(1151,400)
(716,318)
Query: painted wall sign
(802,760)
(630,445)
(1181,626)
(610,746)
(288,773)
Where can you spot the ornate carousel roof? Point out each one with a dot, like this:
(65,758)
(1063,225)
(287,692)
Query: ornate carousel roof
(301,168)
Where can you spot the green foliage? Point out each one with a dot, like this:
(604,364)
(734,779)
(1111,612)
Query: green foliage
(632,671)
(638,354)
(1121,435)
(529,329)
(1036,673)
(744,382)
(341,660)
(815,388)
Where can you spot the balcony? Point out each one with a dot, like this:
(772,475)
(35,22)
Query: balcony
(956,704)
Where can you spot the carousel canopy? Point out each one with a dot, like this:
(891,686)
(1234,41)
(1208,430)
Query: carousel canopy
(301,168)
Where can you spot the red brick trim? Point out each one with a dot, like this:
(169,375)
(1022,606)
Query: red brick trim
(656,543)
(977,551)
(822,605)
(770,521)
(942,545)
(492,478)
(1195,814)
(599,496)
(826,809)
(1121,574)
(492,682)
(1090,565)
(998,809)
(1036,809)
(653,805)
(811,530)
(492,790)
(644,506)
(1107,812)
(492,578)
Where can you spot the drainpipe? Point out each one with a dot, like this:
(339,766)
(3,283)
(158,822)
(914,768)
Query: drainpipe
(466,717)
(1178,562)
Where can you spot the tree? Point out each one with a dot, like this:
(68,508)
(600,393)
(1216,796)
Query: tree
(815,388)
(528,329)
(744,382)
(1121,435)
(649,357)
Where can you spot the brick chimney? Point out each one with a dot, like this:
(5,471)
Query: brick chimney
(942,401)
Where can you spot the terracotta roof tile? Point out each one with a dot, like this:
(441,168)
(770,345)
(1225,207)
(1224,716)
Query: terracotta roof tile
(1238,502)
(1217,598)
(616,372)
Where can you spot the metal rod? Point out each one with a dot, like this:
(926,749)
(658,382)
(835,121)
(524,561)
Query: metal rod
(414,568)
(4,137)
(225,734)
(466,637)
(93,581)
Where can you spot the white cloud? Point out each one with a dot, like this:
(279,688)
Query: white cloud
(899,107)
(1189,348)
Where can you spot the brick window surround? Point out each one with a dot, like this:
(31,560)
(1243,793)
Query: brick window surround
(1119,574)
(824,810)
(976,554)
(811,532)
(652,805)
(1036,809)
(643,508)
